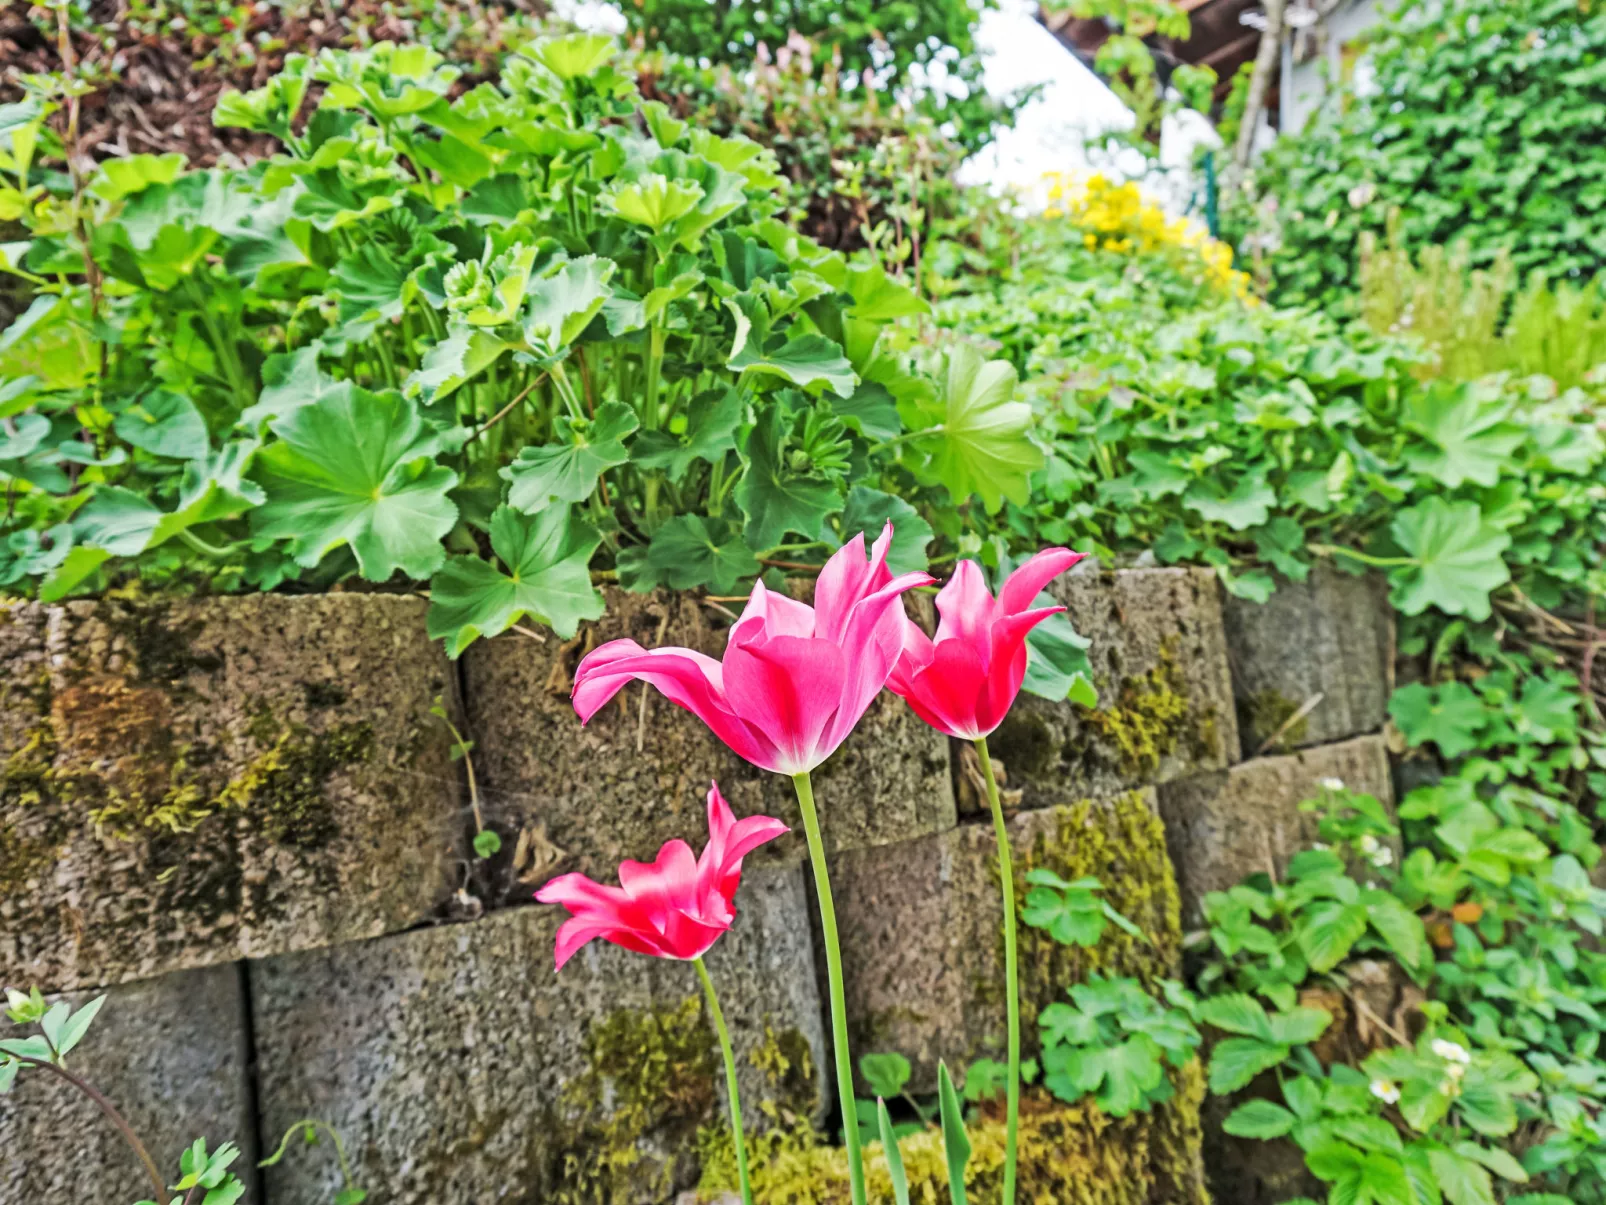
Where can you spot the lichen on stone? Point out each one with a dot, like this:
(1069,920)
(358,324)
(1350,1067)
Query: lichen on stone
(627,1129)
(283,789)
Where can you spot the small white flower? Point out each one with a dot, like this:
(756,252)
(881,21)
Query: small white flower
(1318,845)
(1386,1091)
(1331,784)
(1455,1071)
(1368,845)
(1382,856)
(1451,1051)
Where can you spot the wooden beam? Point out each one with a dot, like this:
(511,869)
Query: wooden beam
(1231,49)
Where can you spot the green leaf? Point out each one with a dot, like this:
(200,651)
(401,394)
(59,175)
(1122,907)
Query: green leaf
(164,424)
(77,1025)
(1328,930)
(869,511)
(889,1147)
(775,499)
(1131,1070)
(357,469)
(1070,918)
(803,360)
(655,201)
(545,575)
(871,411)
(1299,1026)
(487,842)
(1451,716)
(1248,504)
(569,470)
(691,551)
(1236,1013)
(571,57)
(1472,441)
(979,444)
(561,303)
(1236,1061)
(886,1074)
(1457,556)
(711,422)
(1400,927)
(1462,1181)
(1497,1159)
(1259,1119)
(955,1143)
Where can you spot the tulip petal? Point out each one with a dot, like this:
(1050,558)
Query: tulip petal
(966,605)
(685,677)
(846,580)
(579,931)
(770,613)
(788,688)
(1027,582)
(871,645)
(949,692)
(915,654)
(665,885)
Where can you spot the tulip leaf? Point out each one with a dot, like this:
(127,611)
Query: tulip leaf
(889,1147)
(544,575)
(955,1142)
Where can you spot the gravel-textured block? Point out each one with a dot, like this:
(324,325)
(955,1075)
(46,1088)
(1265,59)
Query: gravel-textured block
(1165,693)
(461,1070)
(1226,826)
(922,923)
(567,798)
(170,1054)
(1329,636)
(190,782)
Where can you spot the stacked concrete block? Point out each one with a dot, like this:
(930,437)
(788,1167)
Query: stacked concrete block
(1311,665)
(187,783)
(460,1069)
(170,1054)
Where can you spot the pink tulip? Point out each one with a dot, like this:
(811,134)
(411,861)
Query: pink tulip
(964,682)
(795,679)
(674,908)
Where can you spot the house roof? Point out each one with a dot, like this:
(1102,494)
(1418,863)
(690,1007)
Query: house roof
(1218,40)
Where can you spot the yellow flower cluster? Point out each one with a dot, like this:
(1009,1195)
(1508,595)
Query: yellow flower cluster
(1117,217)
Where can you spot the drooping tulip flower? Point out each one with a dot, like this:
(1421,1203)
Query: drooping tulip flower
(794,680)
(965,681)
(674,907)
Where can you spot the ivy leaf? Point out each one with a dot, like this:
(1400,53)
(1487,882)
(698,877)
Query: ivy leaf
(546,575)
(691,551)
(711,422)
(869,511)
(776,499)
(1471,437)
(1457,556)
(978,444)
(1451,716)
(357,468)
(569,470)
(164,424)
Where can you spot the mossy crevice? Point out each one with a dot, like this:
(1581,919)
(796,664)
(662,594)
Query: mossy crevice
(1263,715)
(1069,1155)
(627,1129)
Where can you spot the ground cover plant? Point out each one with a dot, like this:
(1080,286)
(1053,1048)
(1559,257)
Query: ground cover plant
(482,344)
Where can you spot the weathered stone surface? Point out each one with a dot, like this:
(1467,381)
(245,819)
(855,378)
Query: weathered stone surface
(1226,826)
(460,1069)
(170,1054)
(569,798)
(1165,693)
(921,927)
(1330,635)
(189,782)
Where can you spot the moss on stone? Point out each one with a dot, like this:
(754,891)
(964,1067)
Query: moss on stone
(1069,1155)
(787,1061)
(164,652)
(1262,716)
(627,1129)
(1151,717)
(283,789)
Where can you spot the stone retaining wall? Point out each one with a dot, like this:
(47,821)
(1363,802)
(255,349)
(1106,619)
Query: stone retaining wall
(257,786)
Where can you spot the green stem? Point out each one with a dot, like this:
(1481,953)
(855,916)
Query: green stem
(1006,878)
(113,1116)
(226,351)
(833,974)
(730,1081)
(1381,562)
(214,551)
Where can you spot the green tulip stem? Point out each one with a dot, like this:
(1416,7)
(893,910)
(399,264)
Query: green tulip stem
(833,974)
(730,1081)
(1006,878)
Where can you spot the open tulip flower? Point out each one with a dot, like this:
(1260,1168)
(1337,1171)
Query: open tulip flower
(675,907)
(794,680)
(965,681)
